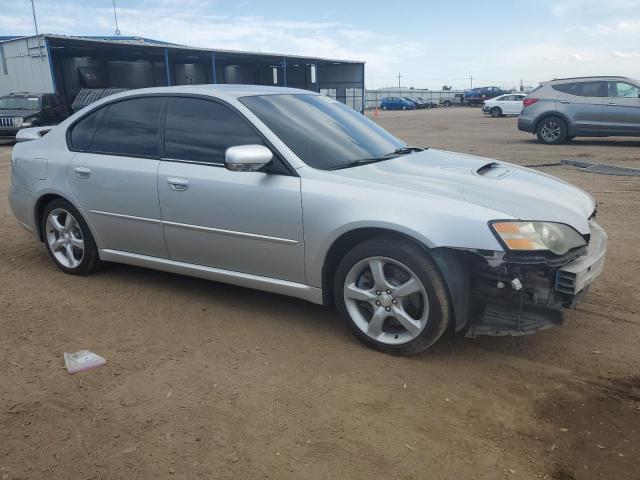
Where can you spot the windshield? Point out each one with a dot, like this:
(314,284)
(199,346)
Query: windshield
(323,132)
(19,103)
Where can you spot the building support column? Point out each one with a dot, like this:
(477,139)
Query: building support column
(167,67)
(213,66)
(363,92)
(284,71)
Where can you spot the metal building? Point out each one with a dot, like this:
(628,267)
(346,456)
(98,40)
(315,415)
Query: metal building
(64,65)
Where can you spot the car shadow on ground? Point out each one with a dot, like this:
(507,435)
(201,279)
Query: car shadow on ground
(323,320)
(589,142)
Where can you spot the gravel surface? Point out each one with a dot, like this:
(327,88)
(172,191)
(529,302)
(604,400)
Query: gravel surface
(206,380)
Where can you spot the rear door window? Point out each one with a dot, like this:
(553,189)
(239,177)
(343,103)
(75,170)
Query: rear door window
(582,89)
(198,130)
(130,128)
(83,131)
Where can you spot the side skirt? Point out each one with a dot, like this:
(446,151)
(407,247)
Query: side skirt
(258,282)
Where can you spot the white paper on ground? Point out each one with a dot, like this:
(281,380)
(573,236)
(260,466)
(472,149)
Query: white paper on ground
(82,361)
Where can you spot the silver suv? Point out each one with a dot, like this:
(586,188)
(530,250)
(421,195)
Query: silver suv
(566,108)
(292,192)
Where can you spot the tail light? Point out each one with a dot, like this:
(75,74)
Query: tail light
(529,101)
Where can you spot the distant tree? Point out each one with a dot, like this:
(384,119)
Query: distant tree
(446,87)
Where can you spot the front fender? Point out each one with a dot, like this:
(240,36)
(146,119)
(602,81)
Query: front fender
(332,210)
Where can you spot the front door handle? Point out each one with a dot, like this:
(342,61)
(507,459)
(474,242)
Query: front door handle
(82,172)
(612,103)
(178,184)
(564,101)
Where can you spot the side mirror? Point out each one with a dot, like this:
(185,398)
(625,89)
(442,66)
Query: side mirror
(247,158)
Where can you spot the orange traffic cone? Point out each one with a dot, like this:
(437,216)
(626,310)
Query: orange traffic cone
(375,112)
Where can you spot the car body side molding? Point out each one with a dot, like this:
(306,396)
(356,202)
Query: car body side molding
(273,285)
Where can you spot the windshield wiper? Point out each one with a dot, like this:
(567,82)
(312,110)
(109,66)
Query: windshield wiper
(363,161)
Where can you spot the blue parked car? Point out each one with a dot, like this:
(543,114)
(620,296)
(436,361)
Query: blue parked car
(397,103)
(476,96)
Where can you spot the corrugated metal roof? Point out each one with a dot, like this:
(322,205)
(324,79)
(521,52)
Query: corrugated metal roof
(151,43)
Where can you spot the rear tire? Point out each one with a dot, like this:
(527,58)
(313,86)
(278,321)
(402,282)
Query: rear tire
(392,296)
(496,112)
(404,107)
(447,103)
(384,107)
(68,239)
(552,130)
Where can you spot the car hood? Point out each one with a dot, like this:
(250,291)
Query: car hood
(510,190)
(16,113)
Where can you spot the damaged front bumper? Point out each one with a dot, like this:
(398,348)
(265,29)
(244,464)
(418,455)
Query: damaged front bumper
(518,297)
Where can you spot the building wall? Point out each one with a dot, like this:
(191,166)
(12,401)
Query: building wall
(27,67)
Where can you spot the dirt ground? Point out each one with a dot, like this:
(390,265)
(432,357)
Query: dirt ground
(206,380)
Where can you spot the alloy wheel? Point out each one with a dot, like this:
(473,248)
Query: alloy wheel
(551,132)
(386,300)
(64,237)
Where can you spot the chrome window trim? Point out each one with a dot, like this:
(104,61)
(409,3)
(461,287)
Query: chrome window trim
(194,162)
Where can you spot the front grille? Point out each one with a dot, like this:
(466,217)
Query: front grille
(566,282)
(6,122)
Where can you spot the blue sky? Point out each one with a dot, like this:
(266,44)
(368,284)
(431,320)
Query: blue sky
(429,43)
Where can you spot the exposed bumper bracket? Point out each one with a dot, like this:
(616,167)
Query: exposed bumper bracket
(499,320)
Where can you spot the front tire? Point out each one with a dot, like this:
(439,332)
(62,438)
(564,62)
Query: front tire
(552,130)
(496,112)
(447,103)
(404,107)
(68,238)
(392,296)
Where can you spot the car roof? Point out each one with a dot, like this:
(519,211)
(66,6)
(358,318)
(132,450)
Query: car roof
(585,79)
(224,91)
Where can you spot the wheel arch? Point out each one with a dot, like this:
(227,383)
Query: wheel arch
(560,115)
(44,200)
(449,261)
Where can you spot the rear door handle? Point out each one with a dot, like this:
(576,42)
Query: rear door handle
(612,103)
(178,184)
(82,172)
(564,101)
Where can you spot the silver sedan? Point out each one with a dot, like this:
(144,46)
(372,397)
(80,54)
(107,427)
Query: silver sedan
(292,192)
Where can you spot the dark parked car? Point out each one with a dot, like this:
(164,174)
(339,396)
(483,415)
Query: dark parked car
(476,96)
(562,109)
(24,110)
(397,103)
(418,102)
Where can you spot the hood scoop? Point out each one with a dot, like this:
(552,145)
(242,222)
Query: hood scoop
(493,170)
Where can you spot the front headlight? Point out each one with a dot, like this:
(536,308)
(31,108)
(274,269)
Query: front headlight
(558,238)
(17,121)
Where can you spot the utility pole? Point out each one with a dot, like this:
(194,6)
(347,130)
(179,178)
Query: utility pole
(471,78)
(399,77)
(35,22)
(115,16)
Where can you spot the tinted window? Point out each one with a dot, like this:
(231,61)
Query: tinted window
(582,89)
(201,130)
(130,127)
(82,132)
(323,132)
(623,89)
